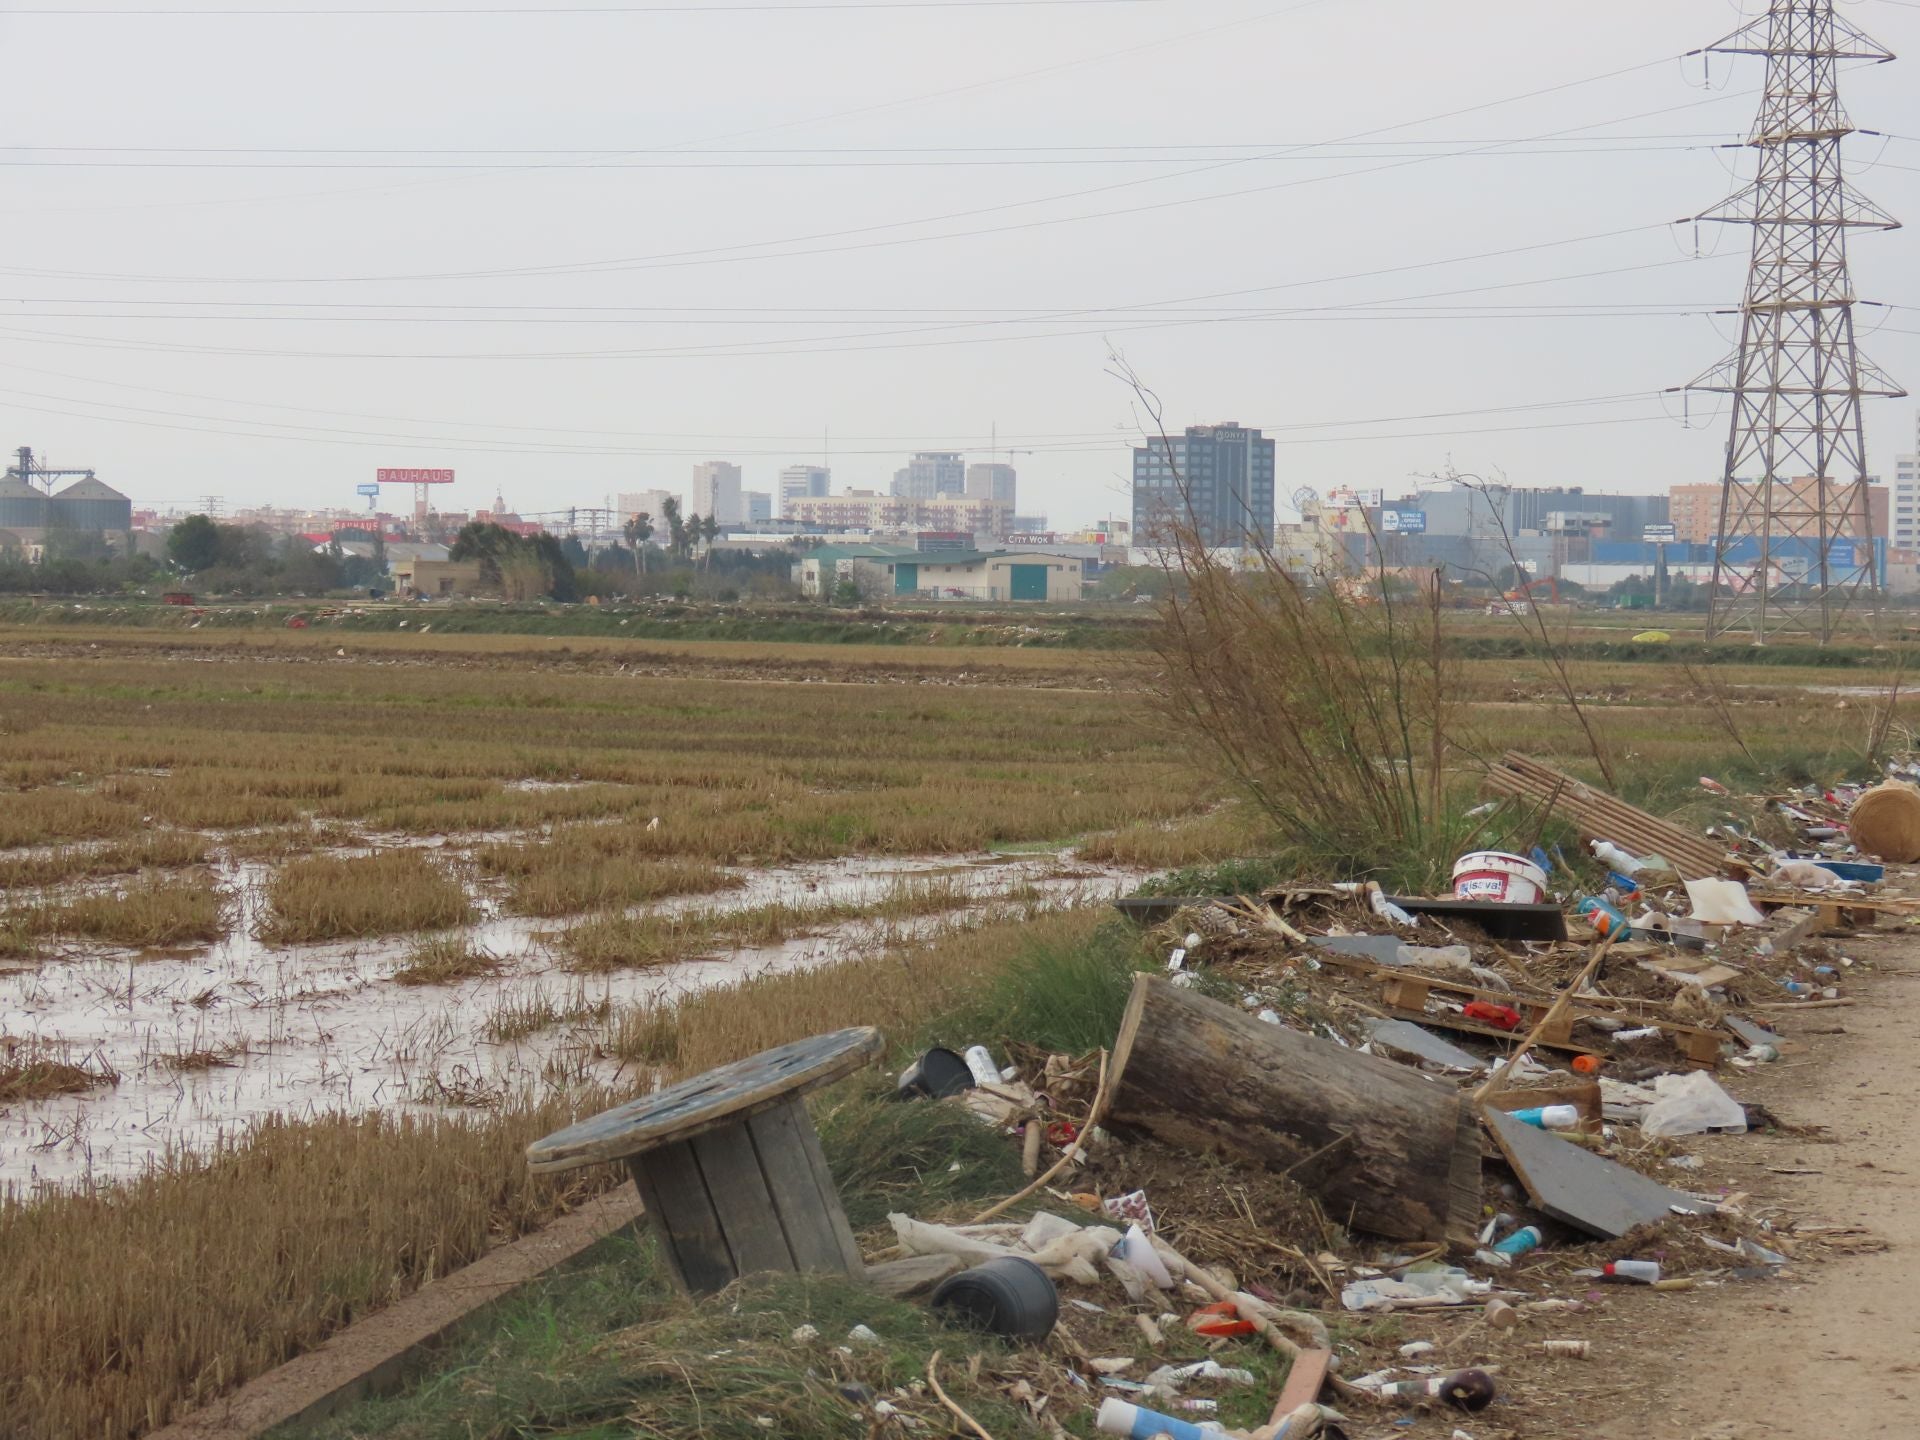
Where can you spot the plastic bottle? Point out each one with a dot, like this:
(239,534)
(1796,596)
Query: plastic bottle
(980,1061)
(1638,1272)
(1606,919)
(1612,856)
(1464,1390)
(1549,1117)
(1520,1241)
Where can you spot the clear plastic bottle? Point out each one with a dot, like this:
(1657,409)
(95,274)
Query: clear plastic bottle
(1614,857)
(1638,1272)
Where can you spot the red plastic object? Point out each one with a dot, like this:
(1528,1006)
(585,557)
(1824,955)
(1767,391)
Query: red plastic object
(1498,1016)
(1219,1318)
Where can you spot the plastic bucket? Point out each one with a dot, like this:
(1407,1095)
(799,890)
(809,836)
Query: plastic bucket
(1497,876)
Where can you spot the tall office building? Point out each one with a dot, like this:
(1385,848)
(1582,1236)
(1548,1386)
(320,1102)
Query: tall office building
(991,482)
(716,492)
(931,474)
(1216,478)
(802,482)
(758,505)
(1903,527)
(651,503)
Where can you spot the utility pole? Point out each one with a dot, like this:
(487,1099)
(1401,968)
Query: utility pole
(1795,544)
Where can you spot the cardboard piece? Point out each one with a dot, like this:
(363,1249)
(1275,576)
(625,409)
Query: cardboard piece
(1586,1191)
(1401,1037)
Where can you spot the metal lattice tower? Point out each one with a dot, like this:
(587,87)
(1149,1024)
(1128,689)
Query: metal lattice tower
(1795,541)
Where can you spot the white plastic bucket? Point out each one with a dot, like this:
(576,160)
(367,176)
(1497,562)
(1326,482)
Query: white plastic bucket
(1497,876)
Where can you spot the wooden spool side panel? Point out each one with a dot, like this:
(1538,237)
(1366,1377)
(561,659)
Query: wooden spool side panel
(743,1201)
(675,1194)
(802,1191)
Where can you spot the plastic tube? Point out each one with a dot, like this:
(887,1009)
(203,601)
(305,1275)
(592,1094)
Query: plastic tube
(1119,1417)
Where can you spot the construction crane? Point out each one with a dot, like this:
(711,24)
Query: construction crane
(26,468)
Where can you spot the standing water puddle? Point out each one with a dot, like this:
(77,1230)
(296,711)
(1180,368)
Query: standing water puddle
(208,1043)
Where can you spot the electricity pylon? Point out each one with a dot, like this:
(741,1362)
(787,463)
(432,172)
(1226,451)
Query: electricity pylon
(1795,545)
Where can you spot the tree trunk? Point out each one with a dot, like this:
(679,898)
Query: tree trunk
(1383,1147)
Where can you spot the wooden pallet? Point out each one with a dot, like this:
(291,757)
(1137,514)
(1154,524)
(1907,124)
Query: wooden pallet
(1600,816)
(1408,996)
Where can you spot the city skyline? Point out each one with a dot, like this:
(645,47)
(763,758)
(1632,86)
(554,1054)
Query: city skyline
(852,263)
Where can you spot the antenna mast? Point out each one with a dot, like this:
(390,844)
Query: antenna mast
(1795,544)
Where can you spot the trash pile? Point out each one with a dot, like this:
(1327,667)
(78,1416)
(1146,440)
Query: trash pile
(1471,1114)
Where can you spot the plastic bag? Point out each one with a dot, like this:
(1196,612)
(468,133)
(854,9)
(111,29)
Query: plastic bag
(1692,1104)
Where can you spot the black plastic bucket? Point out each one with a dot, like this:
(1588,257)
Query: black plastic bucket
(1009,1296)
(934,1076)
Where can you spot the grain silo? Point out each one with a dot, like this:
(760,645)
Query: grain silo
(92,506)
(23,508)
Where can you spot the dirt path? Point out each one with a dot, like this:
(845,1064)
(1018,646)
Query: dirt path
(1832,1353)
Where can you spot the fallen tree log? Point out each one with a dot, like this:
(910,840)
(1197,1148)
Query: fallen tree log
(1384,1148)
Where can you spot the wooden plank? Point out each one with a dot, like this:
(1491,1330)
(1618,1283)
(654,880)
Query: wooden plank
(1581,1189)
(741,1199)
(720,1097)
(851,1259)
(912,1274)
(1583,1095)
(812,1237)
(1375,1141)
(1305,1377)
(1600,816)
(686,1220)
(650,1204)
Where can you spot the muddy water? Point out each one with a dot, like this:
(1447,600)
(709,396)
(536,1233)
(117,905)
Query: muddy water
(304,1030)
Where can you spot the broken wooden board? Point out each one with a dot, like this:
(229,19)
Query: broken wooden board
(1701,972)
(1380,949)
(1794,925)
(1304,1380)
(912,1274)
(1752,1034)
(1404,1038)
(1586,1191)
(1583,1095)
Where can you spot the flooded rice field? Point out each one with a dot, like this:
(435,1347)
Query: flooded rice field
(206,1040)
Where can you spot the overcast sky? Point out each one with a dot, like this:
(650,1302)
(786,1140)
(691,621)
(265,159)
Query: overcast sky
(257,255)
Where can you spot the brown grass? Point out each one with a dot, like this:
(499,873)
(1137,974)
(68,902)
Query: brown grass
(1231,830)
(624,942)
(445,960)
(36,1069)
(325,897)
(153,910)
(580,871)
(151,1297)
(162,849)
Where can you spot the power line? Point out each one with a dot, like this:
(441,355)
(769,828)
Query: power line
(403,11)
(733,254)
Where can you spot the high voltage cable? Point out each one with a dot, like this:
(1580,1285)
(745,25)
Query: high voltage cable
(1021,439)
(746,8)
(733,349)
(729,253)
(322,435)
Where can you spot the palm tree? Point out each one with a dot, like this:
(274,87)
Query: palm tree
(709,531)
(639,530)
(676,527)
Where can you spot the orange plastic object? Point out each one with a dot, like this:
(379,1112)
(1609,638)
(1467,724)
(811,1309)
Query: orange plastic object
(1587,1064)
(1219,1318)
